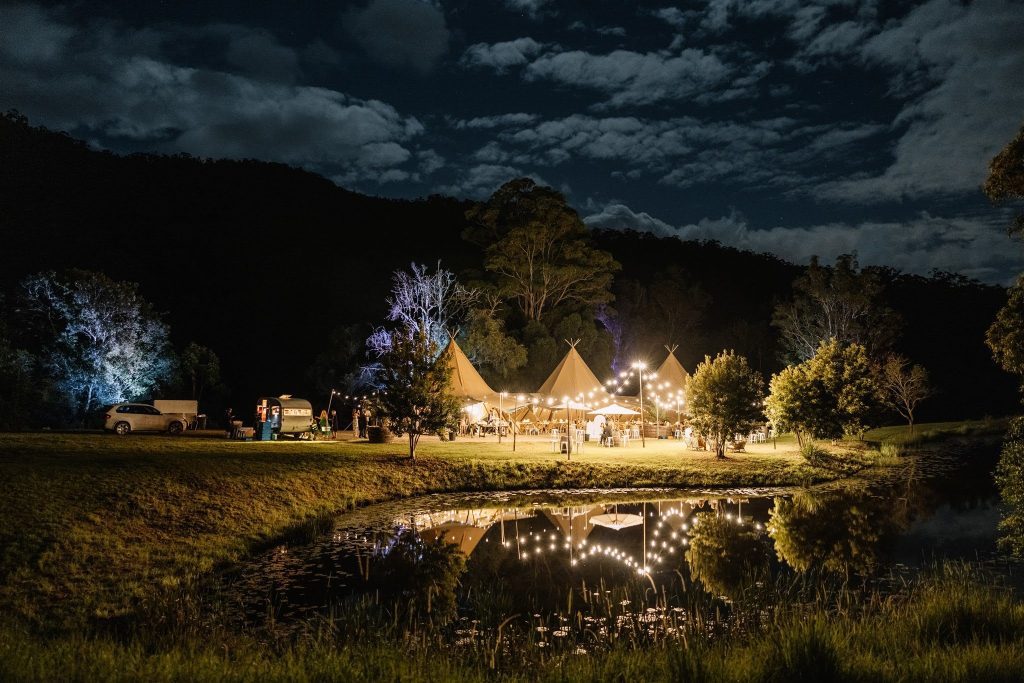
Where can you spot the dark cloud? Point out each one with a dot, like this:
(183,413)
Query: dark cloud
(29,36)
(258,54)
(400,33)
(533,9)
(92,79)
(625,77)
(786,108)
(673,16)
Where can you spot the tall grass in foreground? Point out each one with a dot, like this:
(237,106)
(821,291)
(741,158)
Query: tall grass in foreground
(949,627)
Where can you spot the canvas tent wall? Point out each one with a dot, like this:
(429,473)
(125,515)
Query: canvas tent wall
(572,378)
(672,372)
(467,385)
(466,381)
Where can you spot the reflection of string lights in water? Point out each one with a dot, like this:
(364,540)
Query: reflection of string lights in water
(667,536)
(666,532)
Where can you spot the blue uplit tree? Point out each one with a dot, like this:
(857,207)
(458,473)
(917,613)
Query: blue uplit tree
(102,342)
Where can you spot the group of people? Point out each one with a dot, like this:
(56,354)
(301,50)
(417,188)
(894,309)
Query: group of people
(325,424)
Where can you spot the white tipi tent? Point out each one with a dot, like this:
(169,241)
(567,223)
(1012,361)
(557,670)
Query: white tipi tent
(467,384)
(574,379)
(673,373)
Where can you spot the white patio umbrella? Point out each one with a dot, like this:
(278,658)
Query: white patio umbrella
(617,521)
(614,409)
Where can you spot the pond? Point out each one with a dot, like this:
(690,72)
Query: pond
(636,563)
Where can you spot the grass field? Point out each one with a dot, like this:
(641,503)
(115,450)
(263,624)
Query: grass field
(927,432)
(92,526)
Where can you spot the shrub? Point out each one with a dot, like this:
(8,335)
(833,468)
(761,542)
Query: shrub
(892,450)
(815,456)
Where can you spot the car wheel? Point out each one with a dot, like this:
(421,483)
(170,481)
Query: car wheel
(175,428)
(122,428)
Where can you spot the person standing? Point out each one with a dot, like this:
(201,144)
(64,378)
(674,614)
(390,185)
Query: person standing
(334,423)
(229,423)
(364,417)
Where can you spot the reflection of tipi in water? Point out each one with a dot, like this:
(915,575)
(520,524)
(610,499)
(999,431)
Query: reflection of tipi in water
(466,536)
(464,528)
(677,514)
(573,522)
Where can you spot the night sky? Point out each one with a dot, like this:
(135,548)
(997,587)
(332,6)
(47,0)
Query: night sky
(797,128)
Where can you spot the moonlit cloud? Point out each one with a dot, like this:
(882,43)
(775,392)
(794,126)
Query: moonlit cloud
(501,56)
(498,121)
(956,66)
(631,77)
(480,181)
(818,120)
(92,80)
(975,246)
(686,152)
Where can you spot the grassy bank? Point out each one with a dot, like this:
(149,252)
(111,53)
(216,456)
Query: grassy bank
(948,628)
(93,526)
(931,432)
(92,523)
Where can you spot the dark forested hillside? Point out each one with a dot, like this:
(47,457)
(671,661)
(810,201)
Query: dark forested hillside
(261,262)
(258,261)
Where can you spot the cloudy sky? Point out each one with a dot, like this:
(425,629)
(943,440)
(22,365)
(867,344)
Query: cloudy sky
(794,127)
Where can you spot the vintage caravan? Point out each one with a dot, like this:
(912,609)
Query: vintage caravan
(285,414)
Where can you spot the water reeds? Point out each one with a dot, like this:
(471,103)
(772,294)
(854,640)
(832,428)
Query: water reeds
(951,625)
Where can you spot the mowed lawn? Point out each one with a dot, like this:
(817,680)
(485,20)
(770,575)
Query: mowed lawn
(92,523)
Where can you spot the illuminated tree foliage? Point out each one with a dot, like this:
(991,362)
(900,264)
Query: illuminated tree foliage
(415,390)
(838,302)
(493,352)
(1006,335)
(1005,180)
(904,386)
(432,302)
(1010,478)
(833,393)
(538,250)
(792,402)
(725,397)
(102,342)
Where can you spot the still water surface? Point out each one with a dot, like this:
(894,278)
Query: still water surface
(561,559)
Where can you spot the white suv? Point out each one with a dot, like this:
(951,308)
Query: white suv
(122,418)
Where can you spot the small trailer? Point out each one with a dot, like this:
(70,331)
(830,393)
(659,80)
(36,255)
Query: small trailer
(188,409)
(285,414)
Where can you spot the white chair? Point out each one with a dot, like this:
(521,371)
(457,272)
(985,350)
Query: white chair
(555,441)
